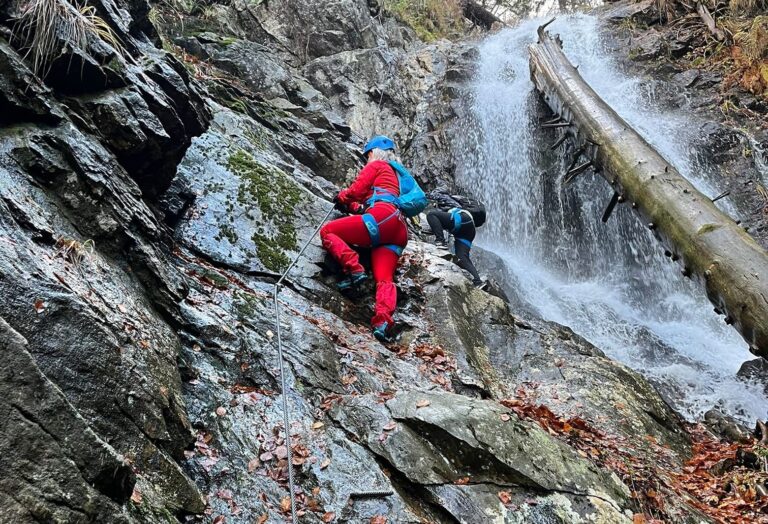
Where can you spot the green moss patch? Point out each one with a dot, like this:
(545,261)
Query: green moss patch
(277,196)
(708,228)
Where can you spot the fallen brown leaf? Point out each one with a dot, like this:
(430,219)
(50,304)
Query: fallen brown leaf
(505,497)
(330,516)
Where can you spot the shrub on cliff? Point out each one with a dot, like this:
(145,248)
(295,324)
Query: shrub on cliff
(431,19)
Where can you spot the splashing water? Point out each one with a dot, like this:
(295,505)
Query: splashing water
(611,282)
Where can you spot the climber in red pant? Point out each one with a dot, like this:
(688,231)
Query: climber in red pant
(380,227)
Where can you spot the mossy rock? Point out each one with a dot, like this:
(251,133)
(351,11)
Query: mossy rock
(277,197)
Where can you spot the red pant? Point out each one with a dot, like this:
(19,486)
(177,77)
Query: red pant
(338,234)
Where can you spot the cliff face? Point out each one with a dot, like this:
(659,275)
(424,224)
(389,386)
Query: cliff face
(147,204)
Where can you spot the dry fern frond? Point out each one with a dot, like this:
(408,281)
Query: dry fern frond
(753,40)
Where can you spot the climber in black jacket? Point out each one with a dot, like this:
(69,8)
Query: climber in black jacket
(460,216)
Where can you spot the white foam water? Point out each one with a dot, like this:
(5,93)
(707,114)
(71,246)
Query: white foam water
(611,282)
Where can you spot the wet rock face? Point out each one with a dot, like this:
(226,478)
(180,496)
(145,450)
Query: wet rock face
(55,468)
(512,354)
(84,276)
(144,111)
(371,78)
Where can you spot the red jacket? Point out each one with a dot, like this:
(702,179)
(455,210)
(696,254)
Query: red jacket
(375,174)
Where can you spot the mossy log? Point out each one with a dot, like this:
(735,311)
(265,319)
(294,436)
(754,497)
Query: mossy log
(711,246)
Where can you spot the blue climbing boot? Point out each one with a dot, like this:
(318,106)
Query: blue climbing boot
(353,280)
(380,332)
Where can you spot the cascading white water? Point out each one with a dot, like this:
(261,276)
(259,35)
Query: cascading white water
(611,282)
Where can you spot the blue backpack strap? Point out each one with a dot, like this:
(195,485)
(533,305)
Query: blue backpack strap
(381,195)
(456,217)
(464,241)
(373,228)
(397,249)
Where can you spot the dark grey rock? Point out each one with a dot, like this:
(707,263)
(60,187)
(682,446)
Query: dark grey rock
(726,427)
(755,371)
(54,467)
(687,78)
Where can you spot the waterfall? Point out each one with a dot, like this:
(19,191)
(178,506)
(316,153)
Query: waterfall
(611,283)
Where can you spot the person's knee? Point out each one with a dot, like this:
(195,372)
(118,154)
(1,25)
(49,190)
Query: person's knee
(325,232)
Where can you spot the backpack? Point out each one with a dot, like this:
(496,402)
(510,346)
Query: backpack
(475,208)
(412,199)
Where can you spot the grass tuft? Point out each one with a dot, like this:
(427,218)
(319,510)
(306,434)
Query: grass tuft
(47,29)
(74,251)
(747,7)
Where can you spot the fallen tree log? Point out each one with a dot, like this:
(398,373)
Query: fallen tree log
(711,246)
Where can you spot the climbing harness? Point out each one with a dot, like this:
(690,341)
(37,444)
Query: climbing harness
(464,241)
(456,214)
(373,227)
(281,359)
(286,420)
(373,231)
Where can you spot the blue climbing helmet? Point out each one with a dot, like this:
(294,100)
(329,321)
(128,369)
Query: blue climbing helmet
(379,142)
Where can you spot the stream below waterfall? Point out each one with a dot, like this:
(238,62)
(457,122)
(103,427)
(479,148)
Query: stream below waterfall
(610,283)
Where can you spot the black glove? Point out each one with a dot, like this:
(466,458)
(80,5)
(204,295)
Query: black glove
(337,203)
